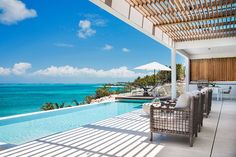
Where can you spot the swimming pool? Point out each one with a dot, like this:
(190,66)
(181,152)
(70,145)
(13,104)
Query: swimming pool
(24,128)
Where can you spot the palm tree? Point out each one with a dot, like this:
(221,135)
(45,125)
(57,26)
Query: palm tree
(76,102)
(62,105)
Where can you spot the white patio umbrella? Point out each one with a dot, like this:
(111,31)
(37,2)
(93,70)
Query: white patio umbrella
(155,66)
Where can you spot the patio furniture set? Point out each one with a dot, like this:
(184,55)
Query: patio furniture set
(183,116)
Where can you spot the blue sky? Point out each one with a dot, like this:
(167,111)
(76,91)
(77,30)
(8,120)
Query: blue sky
(75,41)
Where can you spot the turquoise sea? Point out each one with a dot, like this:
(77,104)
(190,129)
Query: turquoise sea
(25,98)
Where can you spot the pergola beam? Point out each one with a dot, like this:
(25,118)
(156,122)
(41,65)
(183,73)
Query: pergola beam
(205,5)
(211,17)
(204,26)
(179,8)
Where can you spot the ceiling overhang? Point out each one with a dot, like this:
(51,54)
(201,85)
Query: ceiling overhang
(180,24)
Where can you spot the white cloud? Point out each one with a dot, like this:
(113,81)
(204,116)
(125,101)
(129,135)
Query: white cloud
(100,22)
(85,29)
(17,69)
(66,74)
(63,45)
(69,71)
(125,49)
(107,47)
(20,68)
(96,19)
(14,11)
(4,71)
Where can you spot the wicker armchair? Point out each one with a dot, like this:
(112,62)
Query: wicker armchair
(207,101)
(175,121)
(197,113)
(200,97)
(201,105)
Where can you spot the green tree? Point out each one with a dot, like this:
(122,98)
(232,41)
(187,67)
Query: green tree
(180,72)
(161,77)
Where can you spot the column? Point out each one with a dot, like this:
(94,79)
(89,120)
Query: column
(173,73)
(187,74)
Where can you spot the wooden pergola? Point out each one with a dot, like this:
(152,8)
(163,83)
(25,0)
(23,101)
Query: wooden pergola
(186,20)
(195,29)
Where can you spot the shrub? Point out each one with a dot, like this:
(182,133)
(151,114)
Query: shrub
(103,91)
(88,99)
(48,106)
(52,106)
(82,103)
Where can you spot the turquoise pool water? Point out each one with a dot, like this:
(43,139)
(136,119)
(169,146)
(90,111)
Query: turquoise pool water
(27,128)
(25,98)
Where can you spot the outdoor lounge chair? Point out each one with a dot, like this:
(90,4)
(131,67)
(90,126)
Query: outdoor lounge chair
(137,92)
(175,120)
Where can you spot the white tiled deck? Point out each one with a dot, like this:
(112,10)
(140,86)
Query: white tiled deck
(127,135)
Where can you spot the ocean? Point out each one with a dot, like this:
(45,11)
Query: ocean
(24,98)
